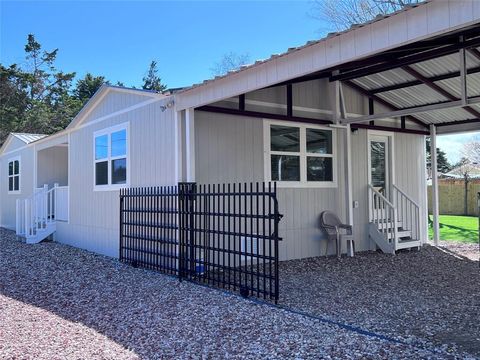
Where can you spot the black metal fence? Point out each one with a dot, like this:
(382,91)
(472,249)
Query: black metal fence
(222,235)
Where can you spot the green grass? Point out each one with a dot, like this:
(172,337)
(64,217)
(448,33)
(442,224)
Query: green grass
(457,228)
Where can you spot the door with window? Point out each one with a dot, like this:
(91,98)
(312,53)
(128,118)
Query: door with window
(380,163)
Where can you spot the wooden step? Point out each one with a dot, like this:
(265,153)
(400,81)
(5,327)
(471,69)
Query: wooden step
(408,243)
(41,234)
(385,245)
(388,225)
(400,234)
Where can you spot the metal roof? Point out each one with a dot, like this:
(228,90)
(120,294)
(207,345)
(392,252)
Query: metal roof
(408,62)
(28,138)
(306,45)
(403,91)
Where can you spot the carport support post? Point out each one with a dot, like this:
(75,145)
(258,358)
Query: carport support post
(178,147)
(433,157)
(348,170)
(190,144)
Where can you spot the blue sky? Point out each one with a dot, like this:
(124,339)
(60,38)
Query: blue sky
(118,39)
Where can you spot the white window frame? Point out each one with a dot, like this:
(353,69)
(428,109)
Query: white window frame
(303,183)
(19,191)
(108,131)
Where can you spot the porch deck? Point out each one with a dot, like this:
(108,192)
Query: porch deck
(427,297)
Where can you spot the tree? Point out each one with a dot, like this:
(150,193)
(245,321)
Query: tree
(230,61)
(443,165)
(86,87)
(14,99)
(35,97)
(151,81)
(345,13)
(43,81)
(464,169)
(471,151)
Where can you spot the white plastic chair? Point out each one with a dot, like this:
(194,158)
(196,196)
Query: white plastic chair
(334,228)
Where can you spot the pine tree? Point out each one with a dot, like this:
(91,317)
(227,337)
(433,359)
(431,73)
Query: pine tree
(152,81)
(86,87)
(35,97)
(443,165)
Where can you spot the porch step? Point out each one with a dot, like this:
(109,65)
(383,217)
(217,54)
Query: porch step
(386,241)
(388,225)
(385,245)
(408,243)
(41,234)
(401,234)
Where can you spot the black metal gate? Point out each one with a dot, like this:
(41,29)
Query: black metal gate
(222,235)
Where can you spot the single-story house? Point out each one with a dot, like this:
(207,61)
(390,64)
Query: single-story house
(339,123)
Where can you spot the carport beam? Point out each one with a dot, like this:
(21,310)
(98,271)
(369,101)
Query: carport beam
(433,157)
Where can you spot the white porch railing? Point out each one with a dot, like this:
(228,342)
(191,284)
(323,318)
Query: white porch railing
(384,215)
(41,210)
(61,203)
(408,211)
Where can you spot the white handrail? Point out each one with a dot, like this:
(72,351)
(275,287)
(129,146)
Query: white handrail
(408,212)
(380,195)
(406,195)
(39,210)
(384,215)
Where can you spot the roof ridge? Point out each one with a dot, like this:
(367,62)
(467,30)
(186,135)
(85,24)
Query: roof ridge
(309,43)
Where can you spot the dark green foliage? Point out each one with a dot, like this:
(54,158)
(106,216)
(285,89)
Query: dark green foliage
(152,81)
(443,165)
(35,97)
(38,98)
(88,86)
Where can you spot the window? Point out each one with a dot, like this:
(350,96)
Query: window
(299,155)
(14,176)
(111,158)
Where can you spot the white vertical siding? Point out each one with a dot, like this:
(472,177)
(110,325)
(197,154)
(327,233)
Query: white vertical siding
(52,166)
(230,149)
(409,170)
(8,201)
(115,101)
(94,215)
(14,144)
(359,188)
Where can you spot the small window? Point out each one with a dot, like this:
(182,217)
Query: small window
(284,138)
(111,158)
(285,168)
(300,155)
(14,176)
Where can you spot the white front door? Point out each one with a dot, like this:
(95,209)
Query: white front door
(379,171)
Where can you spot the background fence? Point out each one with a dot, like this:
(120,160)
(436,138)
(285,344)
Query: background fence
(452,197)
(222,235)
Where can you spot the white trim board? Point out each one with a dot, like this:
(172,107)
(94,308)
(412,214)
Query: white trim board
(20,176)
(303,183)
(93,122)
(108,131)
(100,95)
(407,26)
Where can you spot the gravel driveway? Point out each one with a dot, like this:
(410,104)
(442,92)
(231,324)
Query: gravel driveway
(60,302)
(429,297)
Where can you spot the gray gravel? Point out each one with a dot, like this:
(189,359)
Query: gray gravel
(60,302)
(429,297)
(470,251)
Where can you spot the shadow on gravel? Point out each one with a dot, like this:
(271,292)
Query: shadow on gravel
(431,296)
(150,314)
